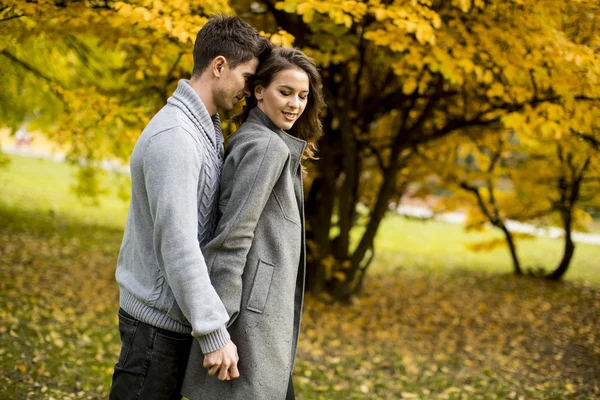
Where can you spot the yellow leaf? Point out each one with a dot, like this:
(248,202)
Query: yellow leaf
(340,276)
(425,34)
(408,395)
(570,388)
(409,85)
(168,24)
(465,5)
(282,38)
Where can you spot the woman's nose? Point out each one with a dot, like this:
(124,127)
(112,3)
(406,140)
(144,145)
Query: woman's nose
(294,101)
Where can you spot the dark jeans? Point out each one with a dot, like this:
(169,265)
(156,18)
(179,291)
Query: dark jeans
(152,361)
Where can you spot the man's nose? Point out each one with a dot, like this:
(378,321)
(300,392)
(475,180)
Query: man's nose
(247,91)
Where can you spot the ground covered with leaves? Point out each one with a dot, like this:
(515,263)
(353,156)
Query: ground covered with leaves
(433,322)
(427,335)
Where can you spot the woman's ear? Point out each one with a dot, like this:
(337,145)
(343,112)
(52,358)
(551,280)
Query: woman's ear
(259,92)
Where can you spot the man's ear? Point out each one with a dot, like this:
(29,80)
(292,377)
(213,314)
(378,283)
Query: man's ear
(258,92)
(218,64)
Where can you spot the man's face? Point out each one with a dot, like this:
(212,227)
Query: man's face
(233,85)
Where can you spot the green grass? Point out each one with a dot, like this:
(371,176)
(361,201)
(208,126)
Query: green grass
(43,186)
(439,246)
(435,321)
(594,227)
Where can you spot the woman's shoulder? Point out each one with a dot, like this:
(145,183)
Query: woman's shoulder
(249,128)
(254,133)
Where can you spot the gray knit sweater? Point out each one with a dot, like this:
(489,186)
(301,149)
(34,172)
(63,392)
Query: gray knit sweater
(175,170)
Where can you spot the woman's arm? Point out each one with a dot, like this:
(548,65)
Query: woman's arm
(256,163)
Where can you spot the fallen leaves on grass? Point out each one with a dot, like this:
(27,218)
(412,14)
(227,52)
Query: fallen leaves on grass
(58,307)
(456,335)
(452,336)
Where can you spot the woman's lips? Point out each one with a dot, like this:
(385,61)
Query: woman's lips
(290,116)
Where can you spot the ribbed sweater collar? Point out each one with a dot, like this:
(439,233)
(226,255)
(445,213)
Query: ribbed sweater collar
(187,100)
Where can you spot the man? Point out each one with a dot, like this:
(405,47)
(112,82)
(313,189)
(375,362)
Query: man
(166,298)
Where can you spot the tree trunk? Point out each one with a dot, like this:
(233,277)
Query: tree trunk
(319,209)
(569,187)
(346,198)
(343,290)
(513,250)
(563,266)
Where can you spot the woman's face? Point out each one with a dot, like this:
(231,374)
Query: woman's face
(284,100)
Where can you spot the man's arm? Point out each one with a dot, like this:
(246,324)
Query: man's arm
(172,166)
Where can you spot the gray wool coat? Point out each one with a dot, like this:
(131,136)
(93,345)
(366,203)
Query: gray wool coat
(257,263)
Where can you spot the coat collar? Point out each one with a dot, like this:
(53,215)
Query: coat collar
(294,144)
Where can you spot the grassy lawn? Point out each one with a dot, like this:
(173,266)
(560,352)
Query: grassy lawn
(434,321)
(37,185)
(438,246)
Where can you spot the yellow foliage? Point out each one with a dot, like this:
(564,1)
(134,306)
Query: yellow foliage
(282,38)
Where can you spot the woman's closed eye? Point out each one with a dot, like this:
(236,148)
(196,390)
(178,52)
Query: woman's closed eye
(286,94)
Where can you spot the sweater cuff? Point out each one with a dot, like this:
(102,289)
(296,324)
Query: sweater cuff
(214,340)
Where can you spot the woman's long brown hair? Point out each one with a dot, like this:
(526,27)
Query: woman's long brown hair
(308,127)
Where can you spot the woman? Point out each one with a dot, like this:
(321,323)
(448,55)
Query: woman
(257,257)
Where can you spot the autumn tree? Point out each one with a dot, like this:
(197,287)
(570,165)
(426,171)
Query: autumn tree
(434,68)
(497,178)
(397,75)
(541,164)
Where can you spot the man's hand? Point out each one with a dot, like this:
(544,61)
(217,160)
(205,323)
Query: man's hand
(223,362)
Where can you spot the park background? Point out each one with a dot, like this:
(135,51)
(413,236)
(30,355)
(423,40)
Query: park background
(487,108)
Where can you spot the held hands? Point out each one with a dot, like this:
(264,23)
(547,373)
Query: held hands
(223,362)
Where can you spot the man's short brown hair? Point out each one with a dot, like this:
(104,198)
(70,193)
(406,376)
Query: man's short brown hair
(230,37)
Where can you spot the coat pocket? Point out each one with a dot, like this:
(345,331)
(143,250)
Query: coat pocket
(260,287)
(288,206)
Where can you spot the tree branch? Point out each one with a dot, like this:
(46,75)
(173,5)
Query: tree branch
(35,72)
(375,153)
(475,190)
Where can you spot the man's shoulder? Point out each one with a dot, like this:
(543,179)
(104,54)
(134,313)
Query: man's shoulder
(167,118)
(165,138)
(171,122)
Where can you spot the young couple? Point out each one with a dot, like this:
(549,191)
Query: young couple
(211,268)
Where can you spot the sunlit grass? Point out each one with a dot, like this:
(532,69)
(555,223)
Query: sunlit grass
(441,246)
(44,186)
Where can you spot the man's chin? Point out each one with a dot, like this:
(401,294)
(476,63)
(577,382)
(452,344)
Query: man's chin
(227,107)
